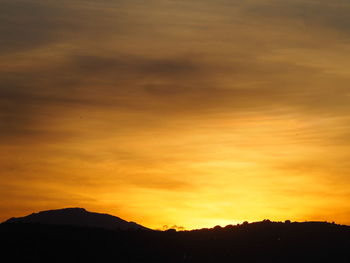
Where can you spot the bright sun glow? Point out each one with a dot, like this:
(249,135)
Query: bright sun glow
(188,113)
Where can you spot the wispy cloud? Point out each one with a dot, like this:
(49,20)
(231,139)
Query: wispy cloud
(173,101)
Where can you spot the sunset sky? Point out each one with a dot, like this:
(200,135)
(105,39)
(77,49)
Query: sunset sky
(189,112)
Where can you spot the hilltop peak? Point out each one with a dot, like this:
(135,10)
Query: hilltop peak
(68,209)
(76,216)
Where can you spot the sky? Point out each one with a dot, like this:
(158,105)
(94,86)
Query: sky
(193,113)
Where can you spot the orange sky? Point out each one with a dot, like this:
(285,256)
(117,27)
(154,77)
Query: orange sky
(163,112)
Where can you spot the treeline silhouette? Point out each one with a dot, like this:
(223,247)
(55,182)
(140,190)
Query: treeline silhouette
(255,242)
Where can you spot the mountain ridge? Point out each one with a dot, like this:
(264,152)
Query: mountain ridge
(76,216)
(29,239)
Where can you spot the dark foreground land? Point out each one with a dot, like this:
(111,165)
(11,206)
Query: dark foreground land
(257,242)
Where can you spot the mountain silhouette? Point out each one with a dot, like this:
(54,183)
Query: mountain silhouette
(77,217)
(75,235)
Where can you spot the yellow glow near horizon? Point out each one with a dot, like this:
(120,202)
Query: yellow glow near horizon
(188,113)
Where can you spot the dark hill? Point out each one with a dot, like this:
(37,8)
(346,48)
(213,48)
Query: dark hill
(77,217)
(256,242)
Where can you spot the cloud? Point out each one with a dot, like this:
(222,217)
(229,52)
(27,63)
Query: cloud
(30,24)
(171,86)
(163,98)
(36,24)
(320,15)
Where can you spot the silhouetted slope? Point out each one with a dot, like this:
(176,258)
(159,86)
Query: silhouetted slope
(256,242)
(77,217)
